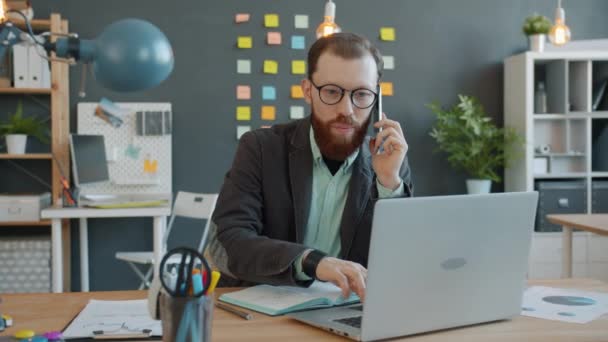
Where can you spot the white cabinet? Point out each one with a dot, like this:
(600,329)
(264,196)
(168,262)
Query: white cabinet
(566,143)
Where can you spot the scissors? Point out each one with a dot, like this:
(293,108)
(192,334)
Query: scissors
(192,272)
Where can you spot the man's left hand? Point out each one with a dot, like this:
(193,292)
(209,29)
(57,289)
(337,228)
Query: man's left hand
(387,163)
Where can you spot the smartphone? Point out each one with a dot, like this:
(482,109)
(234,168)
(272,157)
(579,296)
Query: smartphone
(378,116)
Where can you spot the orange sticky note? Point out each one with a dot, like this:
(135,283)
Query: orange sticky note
(273,38)
(243,92)
(387,33)
(298,67)
(271,20)
(268,113)
(244,42)
(296,92)
(271,67)
(241,17)
(243,113)
(387,88)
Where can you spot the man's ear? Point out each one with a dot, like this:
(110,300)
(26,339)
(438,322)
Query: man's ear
(307,90)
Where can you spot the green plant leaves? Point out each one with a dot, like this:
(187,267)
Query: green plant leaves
(536,24)
(32,126)
(471,140)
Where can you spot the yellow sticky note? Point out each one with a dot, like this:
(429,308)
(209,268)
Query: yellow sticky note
(241,17)
(296,92)
(243,92)
(387,33)
(298,67)
(273,38)
(268,113)
(244,42)
(243,113)
(271,67)
(271,20)
(387,88)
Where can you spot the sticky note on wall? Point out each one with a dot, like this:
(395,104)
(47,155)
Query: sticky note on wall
(387,33)
(296,92)
(273,38)
(243,113)
(296,112)
(298,42)
(268,113)
(244,42)
(271,67)
(269,93)
(389,62)
(300,21)
(243,92)
(243,66)
(241,18)
(240,130)
(298,67)
(271,20)
(387,88)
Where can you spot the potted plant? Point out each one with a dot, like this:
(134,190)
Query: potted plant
(18,128)
(536,27)
(473,142)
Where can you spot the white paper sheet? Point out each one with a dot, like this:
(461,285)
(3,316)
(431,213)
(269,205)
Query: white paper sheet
(568,305)
(114,318)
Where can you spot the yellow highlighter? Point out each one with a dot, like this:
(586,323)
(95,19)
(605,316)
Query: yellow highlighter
(215,278)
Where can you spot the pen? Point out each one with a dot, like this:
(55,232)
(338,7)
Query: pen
(240,313)
(215,278)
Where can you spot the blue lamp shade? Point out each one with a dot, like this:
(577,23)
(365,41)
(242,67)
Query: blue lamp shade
(129,55)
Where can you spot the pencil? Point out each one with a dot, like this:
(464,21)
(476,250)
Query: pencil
(232,310)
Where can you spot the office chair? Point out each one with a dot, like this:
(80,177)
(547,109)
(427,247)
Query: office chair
(187,204)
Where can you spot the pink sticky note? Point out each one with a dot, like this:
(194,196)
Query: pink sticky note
(274,38)
(243,92)
(241,17)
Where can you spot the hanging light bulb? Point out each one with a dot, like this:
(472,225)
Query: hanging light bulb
(560,33)
(328,26)
(2,11)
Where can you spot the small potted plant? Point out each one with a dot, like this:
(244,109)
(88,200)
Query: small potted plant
(18,128)
(536,27)
(473,142)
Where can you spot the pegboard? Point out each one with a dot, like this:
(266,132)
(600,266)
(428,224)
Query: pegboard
(131,157)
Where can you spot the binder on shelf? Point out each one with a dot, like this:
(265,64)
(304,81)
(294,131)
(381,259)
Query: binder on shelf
(34,67)
(20,66)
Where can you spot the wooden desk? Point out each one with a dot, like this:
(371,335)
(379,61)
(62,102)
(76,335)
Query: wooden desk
(595,223)
(56,214)
(45,312)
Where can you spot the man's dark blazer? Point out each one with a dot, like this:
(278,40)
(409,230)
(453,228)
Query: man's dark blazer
(262,210)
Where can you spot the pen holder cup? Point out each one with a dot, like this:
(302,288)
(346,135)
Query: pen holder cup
(186,318)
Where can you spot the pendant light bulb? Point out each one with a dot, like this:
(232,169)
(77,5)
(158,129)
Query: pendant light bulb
(560,32)
(328,26)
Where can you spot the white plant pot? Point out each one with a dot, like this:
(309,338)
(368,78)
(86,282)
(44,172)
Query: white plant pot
(15,143)
(478,186)
(536,42)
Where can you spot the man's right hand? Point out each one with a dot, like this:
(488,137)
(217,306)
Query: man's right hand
(347,275)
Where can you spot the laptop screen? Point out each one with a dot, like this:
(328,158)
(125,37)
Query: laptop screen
(88,159)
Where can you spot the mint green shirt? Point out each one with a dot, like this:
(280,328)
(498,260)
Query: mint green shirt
(329,194)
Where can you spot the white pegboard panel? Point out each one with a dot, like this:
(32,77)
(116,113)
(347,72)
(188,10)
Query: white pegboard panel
(127,151)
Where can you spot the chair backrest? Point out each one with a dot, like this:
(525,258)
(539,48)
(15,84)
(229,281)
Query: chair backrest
(192,205)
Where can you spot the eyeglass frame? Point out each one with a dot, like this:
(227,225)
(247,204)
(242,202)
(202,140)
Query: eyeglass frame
(343,92)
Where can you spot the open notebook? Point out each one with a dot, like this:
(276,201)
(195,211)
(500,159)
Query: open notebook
(278,300)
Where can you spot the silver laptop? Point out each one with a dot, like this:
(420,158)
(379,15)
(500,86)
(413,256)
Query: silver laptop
(437,263)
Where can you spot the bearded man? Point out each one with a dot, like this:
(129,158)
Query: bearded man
(297,203)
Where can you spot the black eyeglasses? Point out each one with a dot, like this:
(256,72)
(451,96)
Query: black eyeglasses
(330,94)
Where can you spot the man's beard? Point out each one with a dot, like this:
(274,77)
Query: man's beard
(338,147)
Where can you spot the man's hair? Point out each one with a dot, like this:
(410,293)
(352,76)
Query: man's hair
(345,45)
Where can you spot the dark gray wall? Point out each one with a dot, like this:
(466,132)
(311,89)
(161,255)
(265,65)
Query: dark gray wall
(443,48)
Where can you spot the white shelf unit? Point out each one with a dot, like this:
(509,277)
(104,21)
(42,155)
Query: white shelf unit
(569,127)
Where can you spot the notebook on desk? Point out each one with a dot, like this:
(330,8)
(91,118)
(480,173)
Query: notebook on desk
(278,300)
(109,201)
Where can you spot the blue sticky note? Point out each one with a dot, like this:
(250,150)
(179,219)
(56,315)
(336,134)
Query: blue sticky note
(269,93)
(297,42)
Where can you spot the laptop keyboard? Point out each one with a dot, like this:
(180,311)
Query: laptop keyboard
(351,321)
